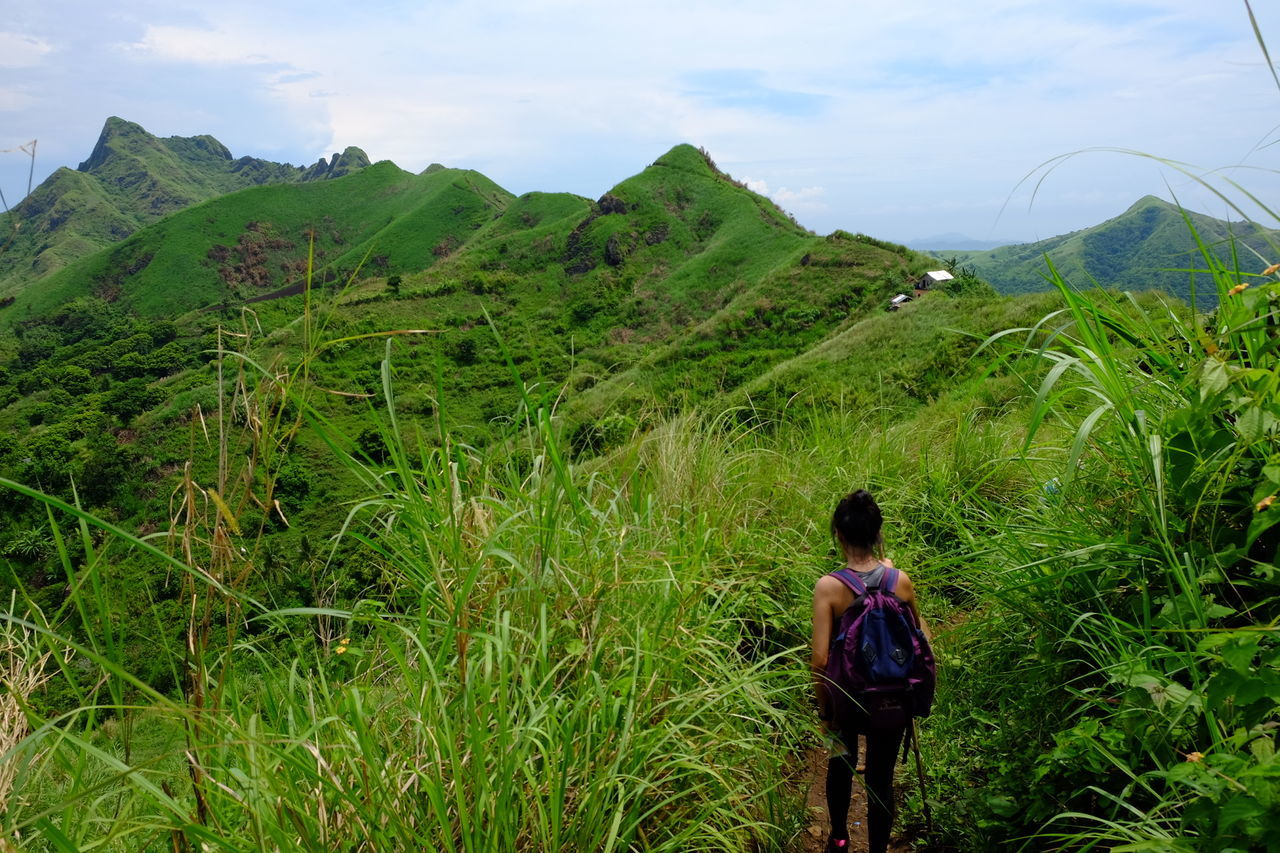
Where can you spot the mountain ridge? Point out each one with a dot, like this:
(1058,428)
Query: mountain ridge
(132,178)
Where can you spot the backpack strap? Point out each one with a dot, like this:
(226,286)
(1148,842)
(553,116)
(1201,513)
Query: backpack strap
(850,578)
(882,577)
(889,579)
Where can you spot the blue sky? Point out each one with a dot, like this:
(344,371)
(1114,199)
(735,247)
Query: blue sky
(897,120)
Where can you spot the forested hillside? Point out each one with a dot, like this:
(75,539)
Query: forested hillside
(676,288)
(1153,245)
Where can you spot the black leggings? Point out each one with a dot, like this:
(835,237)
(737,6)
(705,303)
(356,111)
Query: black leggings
(882,751)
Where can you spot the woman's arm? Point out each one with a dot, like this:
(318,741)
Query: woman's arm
(824,600)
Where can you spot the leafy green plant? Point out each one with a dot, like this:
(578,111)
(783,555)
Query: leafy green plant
(1150,608)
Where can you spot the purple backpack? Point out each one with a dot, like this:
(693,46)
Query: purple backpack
(880,671)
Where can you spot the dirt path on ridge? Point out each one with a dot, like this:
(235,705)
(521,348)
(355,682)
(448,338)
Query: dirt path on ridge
(814,838)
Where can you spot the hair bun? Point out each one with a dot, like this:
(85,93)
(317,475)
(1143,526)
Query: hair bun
(861,499)
(857,520)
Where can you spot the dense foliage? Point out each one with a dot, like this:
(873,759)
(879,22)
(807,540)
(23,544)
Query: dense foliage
(1125,659)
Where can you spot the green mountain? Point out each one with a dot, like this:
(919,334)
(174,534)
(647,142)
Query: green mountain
(1147,247)
(247,245)
(132,179)
(677,292)
(677,287)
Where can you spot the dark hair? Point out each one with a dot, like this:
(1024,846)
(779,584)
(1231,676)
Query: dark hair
(857,520)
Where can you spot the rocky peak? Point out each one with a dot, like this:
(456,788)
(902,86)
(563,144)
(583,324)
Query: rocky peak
(350,160)
(117,135)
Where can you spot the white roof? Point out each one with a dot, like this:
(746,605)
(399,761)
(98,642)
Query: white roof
(901,297)
(940,275)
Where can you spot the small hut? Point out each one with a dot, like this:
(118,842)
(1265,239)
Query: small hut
(929,279)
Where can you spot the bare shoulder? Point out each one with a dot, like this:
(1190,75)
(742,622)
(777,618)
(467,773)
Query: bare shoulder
(827,586)
(904,587)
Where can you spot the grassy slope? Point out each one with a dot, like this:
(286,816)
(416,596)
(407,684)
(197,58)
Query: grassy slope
(130,179)
(821,286)
(675,290)
(1146,247)
(677,287)
(898,360)
(168,268)
(620,624)
(66,196)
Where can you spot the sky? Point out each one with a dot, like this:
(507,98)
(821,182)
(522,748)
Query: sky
(997,119)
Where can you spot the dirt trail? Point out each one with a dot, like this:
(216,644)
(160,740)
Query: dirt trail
(814,839)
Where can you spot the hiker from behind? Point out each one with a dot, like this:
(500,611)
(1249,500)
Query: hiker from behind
(872,667)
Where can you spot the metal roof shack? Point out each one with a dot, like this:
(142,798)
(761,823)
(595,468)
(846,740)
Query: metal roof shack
(929,279)
(898,301)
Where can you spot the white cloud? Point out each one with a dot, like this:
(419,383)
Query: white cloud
(805,198)
(804,201)
(22,51)
(194,45)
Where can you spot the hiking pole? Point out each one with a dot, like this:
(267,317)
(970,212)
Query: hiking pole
(914,735)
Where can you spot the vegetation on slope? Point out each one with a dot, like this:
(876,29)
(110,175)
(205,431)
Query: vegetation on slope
(549,657)
(608,656)
(1123,653)
(106,399)
(1151,246)
(131,179)
(253,243)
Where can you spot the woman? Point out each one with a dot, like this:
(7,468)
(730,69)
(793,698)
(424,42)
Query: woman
(856,527)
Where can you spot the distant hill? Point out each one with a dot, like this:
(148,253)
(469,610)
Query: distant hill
(132,179)
(1147,247)
(953,242)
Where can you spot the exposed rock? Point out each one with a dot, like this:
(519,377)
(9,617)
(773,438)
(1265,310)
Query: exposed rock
(350,160)
(610,203)
(615,250)
(113,131)
(204,142)
(578,256)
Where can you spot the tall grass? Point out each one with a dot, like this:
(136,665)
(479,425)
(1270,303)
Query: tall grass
(1136,616)
(548,662)
(608,656)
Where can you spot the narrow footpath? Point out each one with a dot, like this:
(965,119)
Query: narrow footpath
(814,839)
